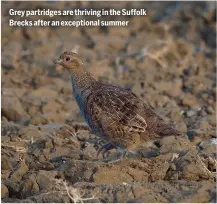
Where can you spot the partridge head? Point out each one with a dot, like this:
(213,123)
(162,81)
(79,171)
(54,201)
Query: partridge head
(71,61)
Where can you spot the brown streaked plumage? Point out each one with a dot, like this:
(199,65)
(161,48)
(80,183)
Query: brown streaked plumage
(111,112)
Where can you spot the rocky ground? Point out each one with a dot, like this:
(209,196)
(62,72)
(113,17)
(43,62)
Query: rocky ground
(167,58)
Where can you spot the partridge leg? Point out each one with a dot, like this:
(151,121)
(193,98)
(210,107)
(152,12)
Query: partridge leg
(105,148)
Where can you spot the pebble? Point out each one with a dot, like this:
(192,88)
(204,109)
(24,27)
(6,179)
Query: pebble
(210,110)
(191,113)
(182,127)
(204,125)
(208,143)
(173,166)
(4,191)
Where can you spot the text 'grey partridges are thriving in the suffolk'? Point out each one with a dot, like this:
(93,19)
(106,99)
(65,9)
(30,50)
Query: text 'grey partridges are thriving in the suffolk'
(113,113)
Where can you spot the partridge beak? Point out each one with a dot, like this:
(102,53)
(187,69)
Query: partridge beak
(58,61)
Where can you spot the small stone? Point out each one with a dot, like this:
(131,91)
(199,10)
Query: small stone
(212,164)
(195,140)
(20,172)
(112,176)
(204,125)
(139,191)
(138,175)
(89,152)
(51,106)
(84,135)
(191,113)
(30,186)
(190,101)
(30,133)
(44,93)
(212,119)
(202,113)
(209,147)
(174,144)
(5,139)
(63,86)
(46,165)
(176,116)
(185,188)
(172,88)
(191,167)
(39,120)
(130,62)
(6,163)
(182,127)
(45,179)
(210,110)
(12,108)
(4,191)
(58,141)
(173,166)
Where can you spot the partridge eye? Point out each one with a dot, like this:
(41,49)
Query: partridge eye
(67,59)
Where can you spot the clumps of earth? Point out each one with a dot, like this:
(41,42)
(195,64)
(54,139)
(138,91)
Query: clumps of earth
(167,58)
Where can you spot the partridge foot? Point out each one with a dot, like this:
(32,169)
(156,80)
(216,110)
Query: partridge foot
(105,148)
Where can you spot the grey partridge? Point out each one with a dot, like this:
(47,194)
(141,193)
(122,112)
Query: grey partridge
(111,112)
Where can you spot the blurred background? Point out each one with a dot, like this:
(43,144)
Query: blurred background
(167,58)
